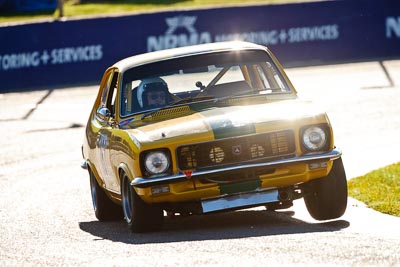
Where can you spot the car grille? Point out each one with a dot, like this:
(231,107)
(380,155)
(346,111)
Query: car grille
(234,151)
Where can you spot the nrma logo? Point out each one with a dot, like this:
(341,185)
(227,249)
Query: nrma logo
(392,27)
(180,32)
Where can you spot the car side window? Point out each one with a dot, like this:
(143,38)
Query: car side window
(109,94)
(271,75)
(112,94)
(104,90)
(128,96)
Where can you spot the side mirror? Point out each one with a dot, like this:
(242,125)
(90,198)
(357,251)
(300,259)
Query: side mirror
(104,114)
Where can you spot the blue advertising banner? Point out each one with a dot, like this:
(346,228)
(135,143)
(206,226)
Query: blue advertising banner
(27,5)
(78,51)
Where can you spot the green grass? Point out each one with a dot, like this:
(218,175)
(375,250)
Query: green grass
(108,7)
(379,189)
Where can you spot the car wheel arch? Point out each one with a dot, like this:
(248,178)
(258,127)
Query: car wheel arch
(92,169)
(123,168)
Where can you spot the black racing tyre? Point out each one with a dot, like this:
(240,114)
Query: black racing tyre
(141,217)
(104,208)
(327,198)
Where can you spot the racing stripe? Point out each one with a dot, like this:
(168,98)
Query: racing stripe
(226,124)
(245,186)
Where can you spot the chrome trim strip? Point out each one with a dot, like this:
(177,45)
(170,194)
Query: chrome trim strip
(240,200)
(147,182)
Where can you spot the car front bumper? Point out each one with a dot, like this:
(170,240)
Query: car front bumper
(140,182)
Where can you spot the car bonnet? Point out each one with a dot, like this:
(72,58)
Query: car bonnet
(224,122)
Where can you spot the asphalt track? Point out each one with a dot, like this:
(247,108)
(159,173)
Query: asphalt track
(46,217)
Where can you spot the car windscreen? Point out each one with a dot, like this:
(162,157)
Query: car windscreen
(207,75)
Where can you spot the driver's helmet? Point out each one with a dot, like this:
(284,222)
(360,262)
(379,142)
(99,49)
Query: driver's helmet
(153,93)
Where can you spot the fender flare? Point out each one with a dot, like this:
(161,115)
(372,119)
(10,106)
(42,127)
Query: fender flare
(124,167)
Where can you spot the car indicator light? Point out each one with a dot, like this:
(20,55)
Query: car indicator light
(317,165)
(160,190)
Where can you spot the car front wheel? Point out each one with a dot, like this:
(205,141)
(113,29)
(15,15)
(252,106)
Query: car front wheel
(327,198)
(104,208)
(141,217)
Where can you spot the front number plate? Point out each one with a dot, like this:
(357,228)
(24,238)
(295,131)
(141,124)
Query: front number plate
(238,201)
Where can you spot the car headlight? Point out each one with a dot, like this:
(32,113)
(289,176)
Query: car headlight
(314,138)
(156,162)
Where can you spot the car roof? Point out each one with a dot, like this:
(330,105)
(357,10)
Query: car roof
(160,55)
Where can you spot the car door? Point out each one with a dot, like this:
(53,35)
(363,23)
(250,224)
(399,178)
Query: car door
(106,121)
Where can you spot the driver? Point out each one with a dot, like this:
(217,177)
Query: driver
(153,93)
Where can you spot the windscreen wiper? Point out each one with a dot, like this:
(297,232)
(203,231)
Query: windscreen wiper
(192,99)
(246,93)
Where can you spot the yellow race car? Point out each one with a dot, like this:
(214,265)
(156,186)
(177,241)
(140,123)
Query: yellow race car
(203,129)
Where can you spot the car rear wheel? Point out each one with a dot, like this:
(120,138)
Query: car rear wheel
(327,198)
(141,217)
(104,208)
